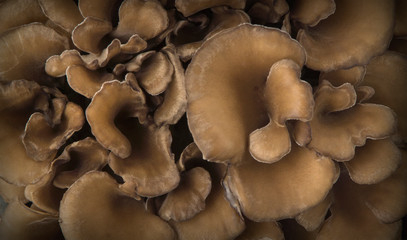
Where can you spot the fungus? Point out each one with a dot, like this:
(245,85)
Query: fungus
(261,230)
(268,11)
(189,7)
(125,216)
(310,13)
(355,33)
(10,192)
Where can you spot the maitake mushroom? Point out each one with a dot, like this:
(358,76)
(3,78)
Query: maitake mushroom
(205,119)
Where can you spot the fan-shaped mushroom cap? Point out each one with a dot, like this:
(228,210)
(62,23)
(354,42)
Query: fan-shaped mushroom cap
(14,13)
(10,192)
(145,18)
(298,181)
(356,32)
(22,223)
(286,98)
(261,231)
(189,7)
(310,13)
(374,162)
(353,75)
(387,75)
(64,13)
(342,122)
(149,170)
(188,198)
(43,138)
(225,82)
(87,35)
(311,219)
(86,82)
(17,102)
(113,98)
(350,211)
(97,8)
(81,157)
(94,207)
(24,50)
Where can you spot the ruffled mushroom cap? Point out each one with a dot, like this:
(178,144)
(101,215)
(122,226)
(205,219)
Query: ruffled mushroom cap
(286,98)
(81,157)
(64,13)
(14,13)
(374,162)
(297,182)
(94,207)
(310,13)
(114,98)
(387,75)
(342,122)
(20,222)
(268,11)
(350,211)
(356,32)
(225,83)
(149,170)
(42,138)
(88,34)
(145,18)
(24,50)
(187,37)
(189,7)
(17,102)
(261,231)
(353,75)
(10,192)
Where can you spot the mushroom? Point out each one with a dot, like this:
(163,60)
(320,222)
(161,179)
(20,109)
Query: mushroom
(189,7)
(268,11)
(261,230)
(310,13)
(125,216)
(10,192)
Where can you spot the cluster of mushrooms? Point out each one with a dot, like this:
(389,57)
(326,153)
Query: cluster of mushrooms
(203,119)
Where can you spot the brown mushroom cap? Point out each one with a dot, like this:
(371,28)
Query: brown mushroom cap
(20,222)
(96,8)
(145,18)
(297,182)
(343,123)
(188,198)
(350,211)
(261,231)
(374,162)
(43,138)
(356,32)
(113,98)
(310,13)
(225,82)
(353,75)
(311,219)
(14,13)
(189,7)
(24,50)
(94,207)
(268,11)
(64,13)
(10,192)
(387,75)
(81,157)
(149,170)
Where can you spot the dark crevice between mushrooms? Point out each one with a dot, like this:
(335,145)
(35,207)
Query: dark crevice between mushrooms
(181,136)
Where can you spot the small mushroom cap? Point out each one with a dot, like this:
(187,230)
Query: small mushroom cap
(189,7)
(356,32)
(188,198)
(24,50)
(82,156)
(387,75)
(310,13)
(374,162)
(350,211)
(145,18)
(353,75)
(342,122)
(261,231)
(114,97)
(20,222)
(297,182)
(225,82)
(96,201)
(149,170)
(15,13)
(64,13)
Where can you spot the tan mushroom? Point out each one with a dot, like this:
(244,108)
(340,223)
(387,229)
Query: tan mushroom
(10,192)
(21,59)
(356,32)
(268,11)
(225,86)
(189,7)
(94,207)
(353,75)
(312,218)
(98,9)
(261,231)
(310,13)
